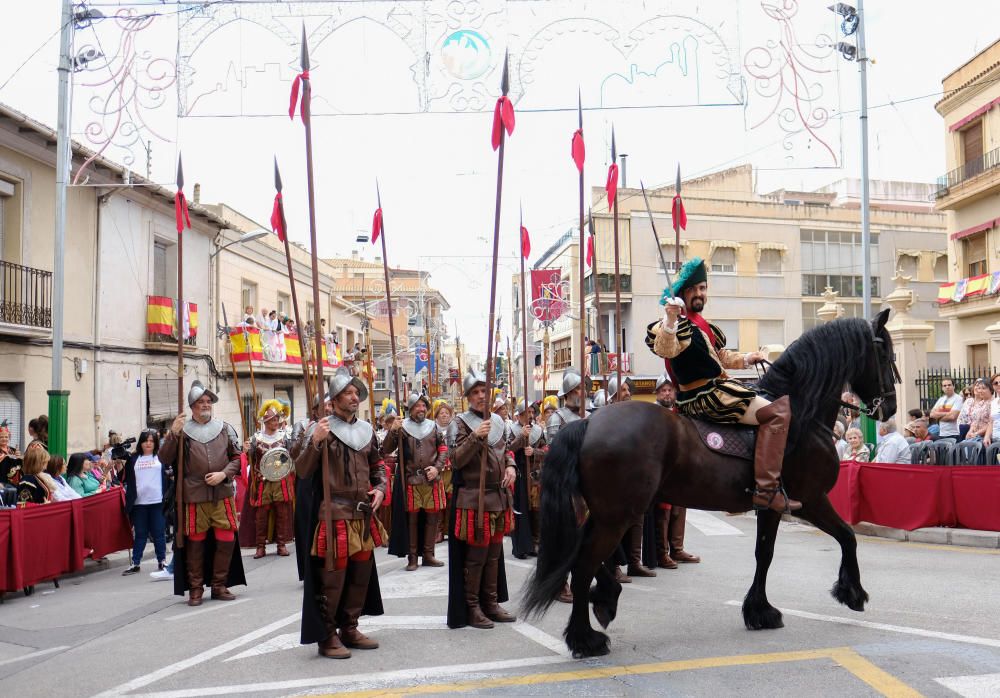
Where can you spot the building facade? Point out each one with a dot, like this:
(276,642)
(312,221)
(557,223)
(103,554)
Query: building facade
(969,193)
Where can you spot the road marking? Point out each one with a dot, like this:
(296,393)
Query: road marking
(278,643)
(968,639)
(858,666)
(365,681)
(984,686)
(200,658)
(33,655)
(710,525)
(207,609)
(543,638)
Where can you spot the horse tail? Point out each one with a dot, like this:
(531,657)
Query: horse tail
(561,534)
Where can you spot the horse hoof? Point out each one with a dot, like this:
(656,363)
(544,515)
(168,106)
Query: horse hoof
(761,615)
(587,643)
(854,597)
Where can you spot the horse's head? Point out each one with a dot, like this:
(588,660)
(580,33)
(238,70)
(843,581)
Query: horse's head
(875,382)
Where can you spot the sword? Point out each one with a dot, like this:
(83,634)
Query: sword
(652,224)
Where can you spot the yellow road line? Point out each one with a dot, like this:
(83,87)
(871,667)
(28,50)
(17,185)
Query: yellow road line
(847,658)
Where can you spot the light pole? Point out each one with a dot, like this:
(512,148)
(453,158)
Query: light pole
(242,239)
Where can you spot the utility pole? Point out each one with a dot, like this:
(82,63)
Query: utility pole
(865,193)
(59,398)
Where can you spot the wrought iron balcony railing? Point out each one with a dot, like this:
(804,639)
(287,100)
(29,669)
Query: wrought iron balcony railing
(25,296)
(971,169)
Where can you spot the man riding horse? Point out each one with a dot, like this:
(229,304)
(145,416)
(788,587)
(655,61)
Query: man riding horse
(697,357)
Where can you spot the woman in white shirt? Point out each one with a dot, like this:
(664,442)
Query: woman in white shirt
(56,482)
(145,485)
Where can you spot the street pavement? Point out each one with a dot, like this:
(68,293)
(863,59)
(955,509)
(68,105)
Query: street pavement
(932,628)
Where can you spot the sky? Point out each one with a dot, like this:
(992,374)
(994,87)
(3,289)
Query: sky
(437,171)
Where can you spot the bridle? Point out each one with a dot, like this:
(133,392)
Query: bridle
(883,392)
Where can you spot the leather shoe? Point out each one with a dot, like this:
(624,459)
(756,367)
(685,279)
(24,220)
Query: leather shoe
(261,552)
(282,550)
(498,615)
(431,561)
(666,562)
(621,577)
(222,594)
(565,596)
(352,637)
(681,556)
(476,619)
(195,595)
(332,648)
(640,570)
(411,563)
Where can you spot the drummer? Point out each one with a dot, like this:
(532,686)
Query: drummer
(272,480)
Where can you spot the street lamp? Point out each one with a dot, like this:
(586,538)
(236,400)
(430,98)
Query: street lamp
(242,239)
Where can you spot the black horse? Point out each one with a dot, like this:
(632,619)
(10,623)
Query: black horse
(627,455)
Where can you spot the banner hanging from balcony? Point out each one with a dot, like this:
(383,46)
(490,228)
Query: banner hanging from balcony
(246,344)
(973,287)
(161,317)
(548,295)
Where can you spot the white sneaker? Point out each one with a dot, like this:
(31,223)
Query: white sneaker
(161,575)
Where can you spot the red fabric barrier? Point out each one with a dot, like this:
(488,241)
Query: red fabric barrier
(843,496)
(977,496)
(45,541)
(905,496)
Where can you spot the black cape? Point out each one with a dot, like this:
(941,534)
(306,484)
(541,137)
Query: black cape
(236,576)
(522,543)
(457,610)
(306,520)
(649,556)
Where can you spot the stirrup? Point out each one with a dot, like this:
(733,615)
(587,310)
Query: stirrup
(780,489)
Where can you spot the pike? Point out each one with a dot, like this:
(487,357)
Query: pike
(182,216)
(236,380)
(503,123)
(578,153)
(525,251)
(305,110)
(613,193)
(656,238)
(592,241)
(279,223)
(368,352)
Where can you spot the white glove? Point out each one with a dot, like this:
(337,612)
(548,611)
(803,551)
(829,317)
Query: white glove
(668,323)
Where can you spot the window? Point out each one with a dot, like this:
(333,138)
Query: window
(670,255)
(8,208)
(974,254)
(810,318)
(284,305)
(249,405)
(907,264)
(379,382)
(846,286)
(309,314)
(835,251)
(562,353)
(770,262)
(941,267)
(724,260)
(248,294)
(972,148)
(161,278)
(770,332)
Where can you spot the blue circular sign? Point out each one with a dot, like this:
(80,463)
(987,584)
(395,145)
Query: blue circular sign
(466,54)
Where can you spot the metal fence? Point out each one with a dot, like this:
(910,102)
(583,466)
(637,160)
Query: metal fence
(929,381)
(971,169)
(26,295)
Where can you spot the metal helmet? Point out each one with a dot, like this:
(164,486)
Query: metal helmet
(415,398)
(663,380)
(343,378)
(197,390)
(519,409)
(600,398)
(570,382)
(471,380)
(613,387)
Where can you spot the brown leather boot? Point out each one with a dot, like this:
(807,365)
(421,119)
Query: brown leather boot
(675,534)
(260,518)
(194,558)
(411,557)
(475,561)
(332,588)
(493,610)
(663,558)
(565,596)
(430,528)
(620,576)
(220,570)
(772,434)
(633,538)
(283,526)
(359,573)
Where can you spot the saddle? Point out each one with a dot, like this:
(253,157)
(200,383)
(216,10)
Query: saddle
(736,440)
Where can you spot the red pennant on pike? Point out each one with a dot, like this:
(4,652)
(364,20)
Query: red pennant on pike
(590,250)
(181,212)
(376,225)
(612,186)
(678,214)
(503,118)
(277,219)
(525,243)
(304,75)
(578,150)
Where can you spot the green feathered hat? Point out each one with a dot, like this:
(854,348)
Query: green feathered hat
(692,273)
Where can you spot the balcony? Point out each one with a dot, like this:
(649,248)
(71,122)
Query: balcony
(975,295)
(282,353)
(25,300)
(606,284)
(161,324)
(968,181)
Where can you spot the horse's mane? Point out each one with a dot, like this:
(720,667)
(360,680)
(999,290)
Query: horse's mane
(815,368)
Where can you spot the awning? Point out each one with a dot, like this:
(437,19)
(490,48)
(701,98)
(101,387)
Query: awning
(724,244)
(779,246)
(907,253)
(975,229)
(670,243)
(974,115)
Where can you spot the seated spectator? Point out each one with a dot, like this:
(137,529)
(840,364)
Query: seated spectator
(79,478)
(31,489)
(893,447)
(850,418)
(145,485)
(975,415)
(918,430)
(38,430)
(856,448)
(56,482)
(838,439)
(994,425)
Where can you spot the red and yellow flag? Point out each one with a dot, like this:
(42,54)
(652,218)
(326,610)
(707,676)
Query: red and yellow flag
(246,344)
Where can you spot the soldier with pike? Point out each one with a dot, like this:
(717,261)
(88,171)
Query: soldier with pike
(421,490)
(269,457)
(477,581)
(334,599)
(528,446)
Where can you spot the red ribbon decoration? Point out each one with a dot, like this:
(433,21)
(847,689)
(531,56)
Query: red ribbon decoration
(525,243)
(702,324)
(181,212)
(376,225)
(503,118)
(304,75)
(678,214)
(578,150)
(590,250)
(277,220)
(612,186)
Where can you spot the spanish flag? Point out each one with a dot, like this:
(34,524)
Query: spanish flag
(246,344)
(293,350)
(160,315)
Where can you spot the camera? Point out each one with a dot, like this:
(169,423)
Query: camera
(120,451)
